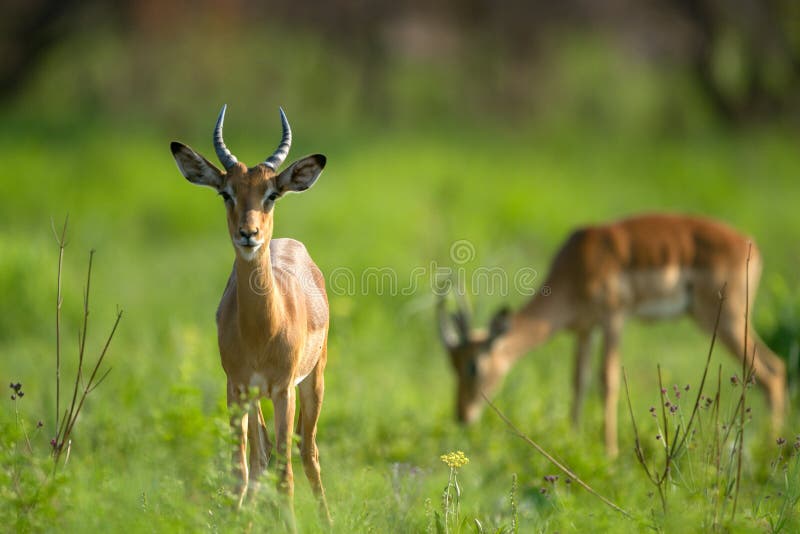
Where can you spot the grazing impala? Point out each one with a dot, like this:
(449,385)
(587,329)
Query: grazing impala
(652,267)
(272,321)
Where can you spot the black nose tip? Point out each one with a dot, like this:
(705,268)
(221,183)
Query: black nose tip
(248,233)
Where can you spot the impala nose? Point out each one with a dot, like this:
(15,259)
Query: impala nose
(248,233)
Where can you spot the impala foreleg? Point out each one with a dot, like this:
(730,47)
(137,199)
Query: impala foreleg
(284,404)
(239,426)
(611,380)
(580,376)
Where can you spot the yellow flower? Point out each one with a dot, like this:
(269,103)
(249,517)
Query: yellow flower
(455,459)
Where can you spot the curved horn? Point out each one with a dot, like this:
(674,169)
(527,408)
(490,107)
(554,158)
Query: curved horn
(450,336)
(462,316)
(227,159)
(275,160)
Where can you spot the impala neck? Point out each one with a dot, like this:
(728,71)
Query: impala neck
(259,299)
(530,327)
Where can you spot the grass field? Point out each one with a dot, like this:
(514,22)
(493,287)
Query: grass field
(150,452)
(151,448)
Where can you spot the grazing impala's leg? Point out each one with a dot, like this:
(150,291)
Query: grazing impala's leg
(772,379)
(612,330)
(239,428)
(311,392)
(284,403)
(770,370)
(260,446)
(580,375)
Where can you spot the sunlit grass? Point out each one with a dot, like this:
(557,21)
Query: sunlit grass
(151,451)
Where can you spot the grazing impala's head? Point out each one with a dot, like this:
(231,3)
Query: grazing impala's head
(249,192)
(474,356)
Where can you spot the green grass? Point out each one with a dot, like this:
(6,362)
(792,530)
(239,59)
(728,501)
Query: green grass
(150,452)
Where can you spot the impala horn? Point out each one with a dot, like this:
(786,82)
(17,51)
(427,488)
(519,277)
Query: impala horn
(454,328)
(277,157)
(227,159)
(447,333)
(462,317)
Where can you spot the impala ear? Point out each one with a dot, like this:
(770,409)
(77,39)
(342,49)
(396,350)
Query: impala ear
(195,167)
(301,174)
(500,324)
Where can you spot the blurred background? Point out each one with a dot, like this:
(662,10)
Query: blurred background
(502,123)
(665,65)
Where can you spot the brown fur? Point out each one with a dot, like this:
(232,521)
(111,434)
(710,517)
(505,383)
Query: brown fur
(650,266)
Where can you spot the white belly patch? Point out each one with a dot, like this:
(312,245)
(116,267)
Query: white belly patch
(300,379)
(259,381)
(664,307)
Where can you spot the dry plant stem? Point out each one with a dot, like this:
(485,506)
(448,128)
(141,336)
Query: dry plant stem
(82,341)
(656,479)
(552,460)
(664,422)
(705,369)
(90,386)
(717,446)
(62,243)
(745,380)
(670,451)
(80,388)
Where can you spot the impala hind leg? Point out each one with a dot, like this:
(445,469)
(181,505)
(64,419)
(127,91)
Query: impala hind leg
(769,369)
(612,331)
(580,376)
(239,427)
(311,392)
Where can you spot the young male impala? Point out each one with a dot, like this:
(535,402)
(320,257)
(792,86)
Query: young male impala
(652,267)
(272,321)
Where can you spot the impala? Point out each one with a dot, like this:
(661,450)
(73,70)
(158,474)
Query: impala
(651,267)
(272,321)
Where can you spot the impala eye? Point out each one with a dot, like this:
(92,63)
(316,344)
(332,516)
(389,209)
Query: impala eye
(472,369)
(273,197)
(225,196)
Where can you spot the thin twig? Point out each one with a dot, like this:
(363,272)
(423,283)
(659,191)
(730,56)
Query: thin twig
(745,379)
(708,363)
(664,422)
(89,385)
(64,427)
(552,460)
(100,380)
(654,478)
(81,350)
(61,240)
(717,445)
(674,446)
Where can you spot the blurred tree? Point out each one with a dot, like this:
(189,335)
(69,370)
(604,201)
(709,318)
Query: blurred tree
(29,29)
(745,55)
